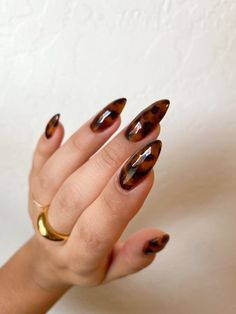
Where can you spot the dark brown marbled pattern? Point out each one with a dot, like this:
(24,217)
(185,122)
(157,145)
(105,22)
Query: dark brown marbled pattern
(139,164)
(156,244)
(107,116)
(146,120)
(51,126)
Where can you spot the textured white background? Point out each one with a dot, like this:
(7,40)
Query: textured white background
(73,57)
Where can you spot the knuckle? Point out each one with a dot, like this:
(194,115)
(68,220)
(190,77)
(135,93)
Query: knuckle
(83,263)
(68,197)
(43,181)
(92,241)
(113,207)
(110,156)
(76,144)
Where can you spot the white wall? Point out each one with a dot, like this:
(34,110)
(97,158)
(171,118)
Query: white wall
(73,57)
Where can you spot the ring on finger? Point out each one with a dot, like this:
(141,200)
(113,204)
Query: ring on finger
(45,229)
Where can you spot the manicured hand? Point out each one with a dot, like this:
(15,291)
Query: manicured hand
(93,194)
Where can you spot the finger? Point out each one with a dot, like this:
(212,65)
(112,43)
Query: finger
(48,143)
(85,184)
(77,149)
(103,222)
(136,253)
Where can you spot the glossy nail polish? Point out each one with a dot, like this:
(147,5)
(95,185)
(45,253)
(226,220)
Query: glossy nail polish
(146,120)
(107,116)
(155,245)
(139,164)
(52,125)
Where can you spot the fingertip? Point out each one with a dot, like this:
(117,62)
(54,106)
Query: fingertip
(45,147)
(136,240)
(137,252)
(56,137)
(52,126)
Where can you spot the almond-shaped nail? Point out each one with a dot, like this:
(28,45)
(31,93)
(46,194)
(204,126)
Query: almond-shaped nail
(146,120)
(107,116)
(139,164)
(155,245)
(52,125)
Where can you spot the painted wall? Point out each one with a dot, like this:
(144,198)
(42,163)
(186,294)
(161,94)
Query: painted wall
(74,57)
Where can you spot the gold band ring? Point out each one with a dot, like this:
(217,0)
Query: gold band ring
(45,229)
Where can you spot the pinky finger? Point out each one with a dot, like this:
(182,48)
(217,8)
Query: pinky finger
(136,253)
(48,143)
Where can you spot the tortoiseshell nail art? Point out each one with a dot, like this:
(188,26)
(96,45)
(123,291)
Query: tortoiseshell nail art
(139,164)
(156,244)
(107,116)
(146,120)
(51,126)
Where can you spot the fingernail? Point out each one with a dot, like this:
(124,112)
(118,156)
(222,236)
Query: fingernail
(156,244)
(52,125)
(107,116)
(146,120)
(139,164)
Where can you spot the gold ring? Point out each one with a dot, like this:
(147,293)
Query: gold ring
(46,230)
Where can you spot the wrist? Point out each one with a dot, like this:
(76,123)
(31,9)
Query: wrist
(24,282)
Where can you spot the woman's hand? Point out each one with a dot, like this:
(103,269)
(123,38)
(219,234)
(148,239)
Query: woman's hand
(91,194)
(92,197)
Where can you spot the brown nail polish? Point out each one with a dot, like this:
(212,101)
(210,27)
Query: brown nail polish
(147,120)
(156,244)
(51,126)
(107,116)
(139,164)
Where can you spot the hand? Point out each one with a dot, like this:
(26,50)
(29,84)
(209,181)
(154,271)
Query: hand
(93,195)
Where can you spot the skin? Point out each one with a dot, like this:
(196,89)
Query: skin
(79,194)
